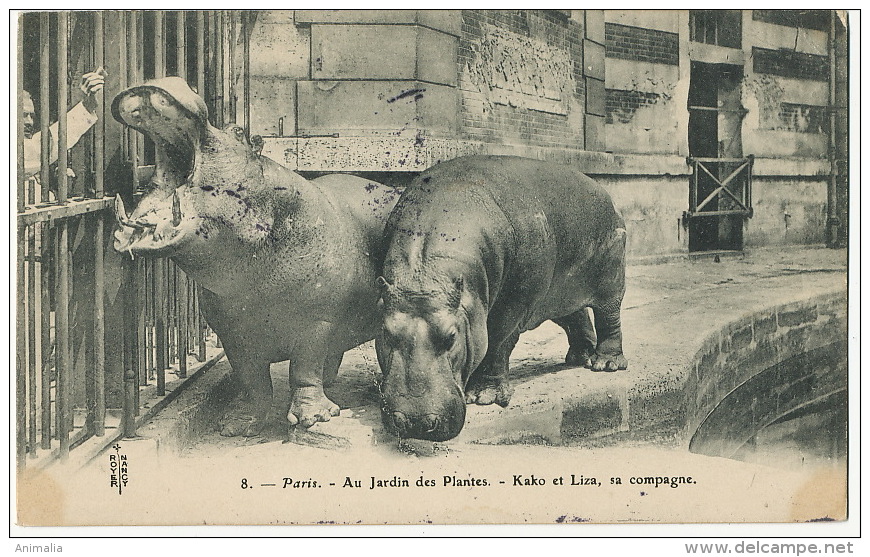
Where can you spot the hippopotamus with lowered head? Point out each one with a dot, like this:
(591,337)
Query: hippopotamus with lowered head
(287,266)
(480,249)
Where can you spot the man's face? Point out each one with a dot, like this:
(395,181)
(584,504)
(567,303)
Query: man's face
(29,115)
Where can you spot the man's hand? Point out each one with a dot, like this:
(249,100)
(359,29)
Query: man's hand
(91,84)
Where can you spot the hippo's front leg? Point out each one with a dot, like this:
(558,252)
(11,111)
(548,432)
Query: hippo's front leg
(489,384)
(309,366)
(249,412)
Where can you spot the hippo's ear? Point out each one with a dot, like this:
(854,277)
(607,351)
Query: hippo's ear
(383,284)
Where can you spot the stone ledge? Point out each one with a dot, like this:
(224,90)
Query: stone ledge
(411,150)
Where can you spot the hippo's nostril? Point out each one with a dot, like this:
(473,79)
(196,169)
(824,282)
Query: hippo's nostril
(400,421)
(430,423)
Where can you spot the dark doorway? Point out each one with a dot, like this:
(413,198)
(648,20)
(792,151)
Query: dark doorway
(715,120)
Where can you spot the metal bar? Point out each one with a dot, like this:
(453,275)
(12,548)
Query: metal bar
(62,351)
(160,324)
(99,127)
(46,245)
(183,325)
(219,85)
(737,171)
(142,321)
(159,45)
(20,179)
(31,338)
(201,327)
(200,53)
(718,109)
(62,100)
(180,44)
(717,213)
(21,363)
(246,66)
(723,184)
(716,159)
(230,75)
(148,318)
(832,226)
(44,104)
(695,186)
(98,419)
(73,208)
(130,407)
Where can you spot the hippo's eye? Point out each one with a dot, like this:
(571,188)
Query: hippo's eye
(449,340)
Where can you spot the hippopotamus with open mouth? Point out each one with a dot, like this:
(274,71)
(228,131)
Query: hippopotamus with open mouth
(287,265)
(481,249)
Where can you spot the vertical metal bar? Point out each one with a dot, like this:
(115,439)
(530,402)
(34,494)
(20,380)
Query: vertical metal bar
(98,417)
(130,407)
(62,100)
(20,368)
(180,44)
(46,245)
(142,321)
(159,45)
(44,104)
(20,371)
(31,338)
(231,65)
(62,354)
(246,67)
(160,324)
(217,44)
(200,53)
(200,331)
(99,127)
(19,177)
(183,324)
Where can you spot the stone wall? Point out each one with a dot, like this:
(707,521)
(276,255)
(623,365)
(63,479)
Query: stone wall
(744,350)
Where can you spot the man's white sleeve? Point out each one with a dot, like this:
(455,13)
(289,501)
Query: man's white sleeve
(78,122)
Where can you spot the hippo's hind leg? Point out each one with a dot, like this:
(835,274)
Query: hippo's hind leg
(249,412)
(608,354)
(489,384)
(308,368)
(581,338)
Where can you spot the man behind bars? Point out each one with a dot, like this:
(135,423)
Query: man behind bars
(80,119)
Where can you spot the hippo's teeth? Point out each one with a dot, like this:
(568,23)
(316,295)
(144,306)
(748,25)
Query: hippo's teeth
(176,209)
(120,210)
(123,219)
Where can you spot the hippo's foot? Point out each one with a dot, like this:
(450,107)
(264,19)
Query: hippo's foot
(244,417)
(579,358)
(489,390)
(608,362)
(309,406)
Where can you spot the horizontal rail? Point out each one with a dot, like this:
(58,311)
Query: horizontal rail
(697,214)
(714,159)
(48,213)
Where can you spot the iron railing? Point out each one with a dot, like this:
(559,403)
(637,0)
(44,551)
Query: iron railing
(96,330)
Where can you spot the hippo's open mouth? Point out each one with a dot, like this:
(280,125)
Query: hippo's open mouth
(176,119)
(158,227)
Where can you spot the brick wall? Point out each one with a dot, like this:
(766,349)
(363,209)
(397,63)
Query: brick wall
(645,45)
(621,104)
(788,63)
(521,77)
